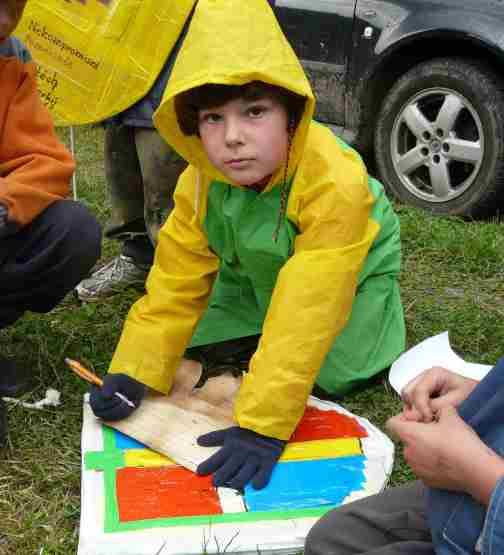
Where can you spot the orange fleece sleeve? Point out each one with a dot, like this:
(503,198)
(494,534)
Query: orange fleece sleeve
(35,167)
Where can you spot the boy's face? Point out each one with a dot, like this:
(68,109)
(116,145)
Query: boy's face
(10,14)
(246,140)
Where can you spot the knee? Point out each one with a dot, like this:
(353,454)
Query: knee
(326,535)
(314,542)
(78,231)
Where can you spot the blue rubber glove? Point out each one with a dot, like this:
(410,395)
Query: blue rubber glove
(245,456)
(107,405)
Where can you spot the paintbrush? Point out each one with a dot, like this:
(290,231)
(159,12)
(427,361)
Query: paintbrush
(87,375)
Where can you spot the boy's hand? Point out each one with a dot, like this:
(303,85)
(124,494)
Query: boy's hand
(245,456)
(107,405)
(448,454)
(433,390)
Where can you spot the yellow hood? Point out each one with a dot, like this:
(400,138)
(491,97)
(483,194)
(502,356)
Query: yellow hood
(232,42)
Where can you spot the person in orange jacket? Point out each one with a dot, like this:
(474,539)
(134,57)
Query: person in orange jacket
(47,243)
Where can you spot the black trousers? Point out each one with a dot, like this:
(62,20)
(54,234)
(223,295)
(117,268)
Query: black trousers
(42,262)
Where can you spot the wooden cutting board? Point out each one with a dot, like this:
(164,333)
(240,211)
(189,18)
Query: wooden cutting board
(171,424)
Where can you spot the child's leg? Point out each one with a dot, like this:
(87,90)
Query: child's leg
(125,190)
(372,339)
(225,356)
(126,224)
(141,174)
(46,259)
(161,167)
(124,181)
(39,265)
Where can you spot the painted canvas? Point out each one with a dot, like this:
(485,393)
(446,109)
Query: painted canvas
(138,502)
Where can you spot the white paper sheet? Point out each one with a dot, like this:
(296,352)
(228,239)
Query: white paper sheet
(433,351)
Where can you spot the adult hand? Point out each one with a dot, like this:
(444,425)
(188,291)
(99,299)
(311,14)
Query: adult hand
(245,456)
(433,390)
(448,454)
(107,405)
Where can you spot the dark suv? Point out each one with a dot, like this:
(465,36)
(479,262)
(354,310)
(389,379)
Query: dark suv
(418,83)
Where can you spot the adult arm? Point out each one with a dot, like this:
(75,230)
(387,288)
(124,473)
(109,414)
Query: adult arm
(447,454)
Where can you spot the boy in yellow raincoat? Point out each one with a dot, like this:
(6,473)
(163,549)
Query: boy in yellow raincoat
(277,230)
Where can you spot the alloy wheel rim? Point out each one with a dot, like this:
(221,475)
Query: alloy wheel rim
(437,145)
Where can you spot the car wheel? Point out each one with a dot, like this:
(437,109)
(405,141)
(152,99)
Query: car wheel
(439,138)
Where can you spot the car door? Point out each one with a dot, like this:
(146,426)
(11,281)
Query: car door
(320,32)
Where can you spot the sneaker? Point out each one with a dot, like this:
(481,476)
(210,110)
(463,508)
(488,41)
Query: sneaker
(119,274)
(13,379)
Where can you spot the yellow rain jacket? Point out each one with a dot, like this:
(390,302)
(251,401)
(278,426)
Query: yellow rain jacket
(324,295)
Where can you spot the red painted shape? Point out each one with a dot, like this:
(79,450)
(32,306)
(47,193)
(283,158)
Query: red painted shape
(146,493)
(326,424)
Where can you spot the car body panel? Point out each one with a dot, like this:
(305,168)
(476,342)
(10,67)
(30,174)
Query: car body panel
(320,32)
(345,70)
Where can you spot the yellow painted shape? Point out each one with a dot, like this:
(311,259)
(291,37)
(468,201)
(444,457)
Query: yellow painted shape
(96,58)
(321,449)
(145,457)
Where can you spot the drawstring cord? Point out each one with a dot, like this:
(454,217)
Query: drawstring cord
(284,193)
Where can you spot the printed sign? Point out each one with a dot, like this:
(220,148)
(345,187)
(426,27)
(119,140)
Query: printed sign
(96,58)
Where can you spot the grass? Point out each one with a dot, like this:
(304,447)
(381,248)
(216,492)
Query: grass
(451,279)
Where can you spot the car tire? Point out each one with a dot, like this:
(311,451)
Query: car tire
(439,138)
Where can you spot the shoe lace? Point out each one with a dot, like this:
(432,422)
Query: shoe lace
(113,266)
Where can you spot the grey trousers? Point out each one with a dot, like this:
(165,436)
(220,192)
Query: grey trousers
(390,523)
(141,172)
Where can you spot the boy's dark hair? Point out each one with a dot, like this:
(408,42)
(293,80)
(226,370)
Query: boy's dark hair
(189,103)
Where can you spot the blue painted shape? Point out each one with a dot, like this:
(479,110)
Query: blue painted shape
(122,441)
(305,484)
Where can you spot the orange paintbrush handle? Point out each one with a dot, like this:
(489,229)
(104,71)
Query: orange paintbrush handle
(84,373)
(87,375)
